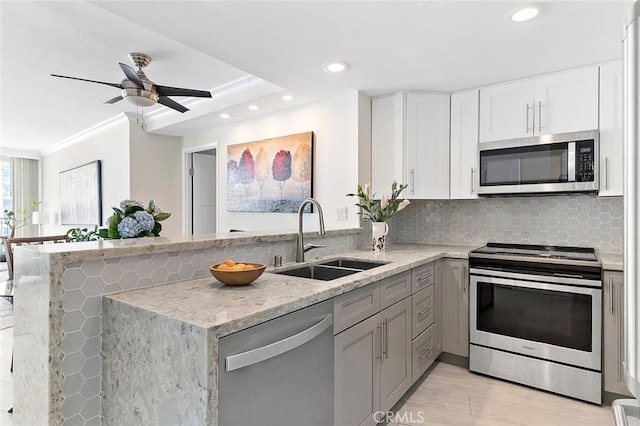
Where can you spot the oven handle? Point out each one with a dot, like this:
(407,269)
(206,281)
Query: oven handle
(535,285)
(533,277)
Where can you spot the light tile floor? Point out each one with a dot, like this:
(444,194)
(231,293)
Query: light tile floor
(448,396)
(451,395)
(6,378)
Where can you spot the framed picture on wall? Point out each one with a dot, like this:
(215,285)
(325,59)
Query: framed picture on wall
(270,175)
(81,195)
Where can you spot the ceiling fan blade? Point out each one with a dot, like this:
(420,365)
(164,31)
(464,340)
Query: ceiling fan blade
(177,91)
(114,100)
(118,85)
(131,74)
(172,104)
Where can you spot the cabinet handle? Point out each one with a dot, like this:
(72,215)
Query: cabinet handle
(610,283)
(472,180)
(464,278)
(528,108)
(424,355)
(606,173)
(385,325)
(539,116)
(379,333)
(424,277)
(424,312)
(413,180)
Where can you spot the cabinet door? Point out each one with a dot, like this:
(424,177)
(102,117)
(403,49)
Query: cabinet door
(455,307)
(438,305)
(611,176)
(357,353)
(464,145)
(566,102)
(506,111)
(613,333)
(395,369)
(387,142)
(427,145)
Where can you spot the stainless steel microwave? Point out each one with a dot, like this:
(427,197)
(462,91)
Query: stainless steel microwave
(565,162)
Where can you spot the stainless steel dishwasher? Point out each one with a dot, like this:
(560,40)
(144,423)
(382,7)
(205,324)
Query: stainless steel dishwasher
(280,372)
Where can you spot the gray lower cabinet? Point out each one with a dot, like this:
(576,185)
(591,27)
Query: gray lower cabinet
(395,363)
(613,341)
(357,352)
(455,306)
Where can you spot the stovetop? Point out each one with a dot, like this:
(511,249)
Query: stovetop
(538,252)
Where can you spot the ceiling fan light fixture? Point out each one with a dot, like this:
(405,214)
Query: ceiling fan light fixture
(525,13)
(335,67)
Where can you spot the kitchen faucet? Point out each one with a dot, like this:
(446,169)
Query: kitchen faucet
(301,248)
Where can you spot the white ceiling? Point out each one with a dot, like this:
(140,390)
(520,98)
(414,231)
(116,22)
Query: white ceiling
(391,45)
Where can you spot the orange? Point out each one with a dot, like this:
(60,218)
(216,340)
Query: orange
(248,267)
(222,267)
(229,262)
(237,267)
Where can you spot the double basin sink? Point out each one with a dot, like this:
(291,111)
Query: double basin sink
(331,269)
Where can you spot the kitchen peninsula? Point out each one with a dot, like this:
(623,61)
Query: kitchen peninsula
(85,344)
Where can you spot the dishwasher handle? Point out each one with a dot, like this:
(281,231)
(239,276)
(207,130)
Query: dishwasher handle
(254,356)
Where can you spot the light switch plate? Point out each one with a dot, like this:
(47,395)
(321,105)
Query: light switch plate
(341,213)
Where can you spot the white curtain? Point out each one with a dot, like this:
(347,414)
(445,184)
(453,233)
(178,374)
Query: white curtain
(25,190)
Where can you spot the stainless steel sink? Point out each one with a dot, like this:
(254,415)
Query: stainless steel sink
(319,272)
(332,269)
(362,265)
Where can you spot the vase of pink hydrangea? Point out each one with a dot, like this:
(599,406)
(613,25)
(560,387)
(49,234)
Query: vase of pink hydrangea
(133,220)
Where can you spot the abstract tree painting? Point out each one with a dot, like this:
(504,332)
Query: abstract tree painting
(270,175)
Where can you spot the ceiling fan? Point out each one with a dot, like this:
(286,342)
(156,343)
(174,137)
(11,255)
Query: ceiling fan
(139,90)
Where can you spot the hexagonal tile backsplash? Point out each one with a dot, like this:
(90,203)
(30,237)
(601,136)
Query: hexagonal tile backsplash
(573,220)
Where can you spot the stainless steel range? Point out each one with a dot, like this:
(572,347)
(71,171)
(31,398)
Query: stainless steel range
(535,317)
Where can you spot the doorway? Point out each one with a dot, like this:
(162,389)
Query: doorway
(201,191)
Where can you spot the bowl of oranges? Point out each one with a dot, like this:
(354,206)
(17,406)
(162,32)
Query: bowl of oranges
(231,272)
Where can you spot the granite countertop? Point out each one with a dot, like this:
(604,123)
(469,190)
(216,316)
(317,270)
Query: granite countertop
(223,310)
(611,261)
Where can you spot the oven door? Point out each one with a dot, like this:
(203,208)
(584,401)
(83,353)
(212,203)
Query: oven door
(560,323)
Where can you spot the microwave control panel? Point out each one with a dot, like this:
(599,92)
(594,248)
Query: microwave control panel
(585,160)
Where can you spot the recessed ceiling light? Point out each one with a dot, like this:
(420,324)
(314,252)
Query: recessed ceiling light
(287,98)
(524,14)
(253,107)
(224,115)
(335,67)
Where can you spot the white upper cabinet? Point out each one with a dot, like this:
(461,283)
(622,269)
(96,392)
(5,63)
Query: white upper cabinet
(410,144)
(566,102)
(464,145)
(555,103)
(611,162)
(506,111)
(427,141)
(387,135)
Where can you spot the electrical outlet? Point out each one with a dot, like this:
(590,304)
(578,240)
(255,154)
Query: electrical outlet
(341,213)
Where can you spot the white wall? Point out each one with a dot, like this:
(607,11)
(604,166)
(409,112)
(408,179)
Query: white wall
(109,144)
(155,173)
(334,122)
